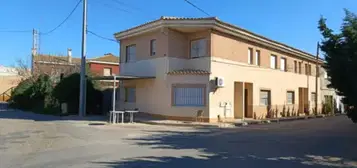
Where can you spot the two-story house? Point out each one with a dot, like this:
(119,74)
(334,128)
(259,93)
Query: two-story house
(182,65)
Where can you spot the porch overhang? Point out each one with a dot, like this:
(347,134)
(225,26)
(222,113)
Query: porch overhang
(120,77)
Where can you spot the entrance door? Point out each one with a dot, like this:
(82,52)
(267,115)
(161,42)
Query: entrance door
(303,99)
(246,114)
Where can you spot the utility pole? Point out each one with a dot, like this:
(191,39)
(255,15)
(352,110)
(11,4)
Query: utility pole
(317,75)
(82,98)
(34,47)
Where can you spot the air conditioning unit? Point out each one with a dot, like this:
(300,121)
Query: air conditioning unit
(219,82)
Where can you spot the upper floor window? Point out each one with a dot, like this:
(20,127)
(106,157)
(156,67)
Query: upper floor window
(250,55)
(107,71)
(283,64)
(295,67)
(309,68)
(273,62)
(300,67)
(198,48)
(257,57)
(130,53)
(152,47)
(306,69)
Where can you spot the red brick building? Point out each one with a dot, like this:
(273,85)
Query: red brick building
(106,65)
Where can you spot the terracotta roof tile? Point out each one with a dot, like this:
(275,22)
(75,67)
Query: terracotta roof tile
(188,72)
(57,59)
(106,58)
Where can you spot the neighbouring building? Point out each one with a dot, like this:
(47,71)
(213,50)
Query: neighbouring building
(58,66)
(173,67)
(329,95)
(9,78)
(106,65)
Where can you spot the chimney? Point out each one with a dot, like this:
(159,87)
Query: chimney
(69,55)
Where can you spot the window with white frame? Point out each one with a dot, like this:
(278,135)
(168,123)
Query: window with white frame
(188,95)
(265,97)
(257,57)
(130,53)
(313,96)
(130,95)
(107,71)
(250,55)
(290,97)
(283,64)
(198,48)
(152,47)
(273,62)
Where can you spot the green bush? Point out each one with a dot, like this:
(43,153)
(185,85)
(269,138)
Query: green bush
(35,95)
(67,91)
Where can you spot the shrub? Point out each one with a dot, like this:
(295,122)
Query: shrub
(34,95)
(67,91)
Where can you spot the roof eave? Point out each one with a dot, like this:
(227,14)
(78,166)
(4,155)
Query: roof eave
(219,26)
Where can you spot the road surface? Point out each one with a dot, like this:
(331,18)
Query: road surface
(35,141)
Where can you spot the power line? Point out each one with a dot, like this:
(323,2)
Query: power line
(69,15)
(198,8)
(99,36)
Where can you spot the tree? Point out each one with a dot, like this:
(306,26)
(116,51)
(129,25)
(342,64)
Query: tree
(340,51)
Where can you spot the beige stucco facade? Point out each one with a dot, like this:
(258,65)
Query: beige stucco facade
(226,57)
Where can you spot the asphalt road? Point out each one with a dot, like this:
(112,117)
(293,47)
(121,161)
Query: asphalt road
(35,141)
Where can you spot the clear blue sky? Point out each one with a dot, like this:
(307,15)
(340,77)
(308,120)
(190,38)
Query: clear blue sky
(293,22)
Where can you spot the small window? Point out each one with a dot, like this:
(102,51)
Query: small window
(306,69)
(152,47)
(265,97)
(300,67)
(313,96)
(283,64)
(290,97)
(130,95)
(198,48)
(295,67)
(273,62)
(250,55)
(188,96)
(130,53)
(309,72)
(107,71)
(257,57)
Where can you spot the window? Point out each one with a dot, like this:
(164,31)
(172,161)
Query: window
(152,47)
(257,57)
(130,53)
(299,67)
(309,68)
(250,55)
(313,96)
(107,71)
(130,95)
(283,64)
(295,67)
(273,62)
(188,96)
(265,97)
(306,69)
(198,48)
(290,97)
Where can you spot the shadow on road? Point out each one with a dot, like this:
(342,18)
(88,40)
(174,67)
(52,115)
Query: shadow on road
(21,115)
(248,148)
